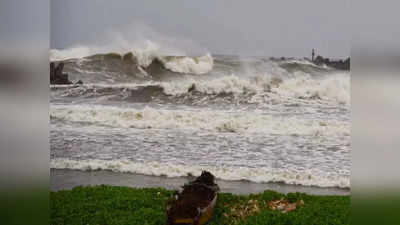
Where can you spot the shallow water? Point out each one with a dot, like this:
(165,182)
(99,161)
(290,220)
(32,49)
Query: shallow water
(61,179)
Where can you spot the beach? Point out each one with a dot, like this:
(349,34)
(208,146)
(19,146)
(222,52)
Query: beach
(68,179)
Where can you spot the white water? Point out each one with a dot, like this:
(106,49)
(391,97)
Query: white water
(221,121)
(191,65)
(334,88)
(306,178)
(70,53)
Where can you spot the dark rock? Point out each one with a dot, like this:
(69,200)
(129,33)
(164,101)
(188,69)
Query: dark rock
(319,60)
(52,70)
(337,64)
(205,178)
(195,203)
(192,88)
(56,74)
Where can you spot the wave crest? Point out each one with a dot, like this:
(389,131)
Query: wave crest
(144,58)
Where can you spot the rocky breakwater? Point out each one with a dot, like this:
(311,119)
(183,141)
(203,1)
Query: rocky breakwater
(337,64)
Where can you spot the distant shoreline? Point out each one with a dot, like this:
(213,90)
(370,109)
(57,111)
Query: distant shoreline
(64,179)
(336,63)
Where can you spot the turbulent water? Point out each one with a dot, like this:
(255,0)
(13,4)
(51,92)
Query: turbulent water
(242,118)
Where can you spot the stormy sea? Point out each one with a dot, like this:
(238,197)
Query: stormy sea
(253,119)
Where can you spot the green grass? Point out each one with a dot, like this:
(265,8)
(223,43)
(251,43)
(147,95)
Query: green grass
(124,205)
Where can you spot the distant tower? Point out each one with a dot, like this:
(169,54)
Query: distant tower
(312,55)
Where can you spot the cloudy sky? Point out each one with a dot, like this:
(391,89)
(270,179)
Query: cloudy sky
(268,28)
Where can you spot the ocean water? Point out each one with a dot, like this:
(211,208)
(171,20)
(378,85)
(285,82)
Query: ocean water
(242,118)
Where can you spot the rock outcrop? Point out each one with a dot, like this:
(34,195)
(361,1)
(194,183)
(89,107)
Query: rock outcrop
(194,205)
(58,77)
(337,64)
(56,74)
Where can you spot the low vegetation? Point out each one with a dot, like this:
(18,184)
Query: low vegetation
(124,205)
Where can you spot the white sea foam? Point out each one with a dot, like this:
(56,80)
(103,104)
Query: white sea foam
(147,53)
(70,53)
(260,175)
(331,89)
(218,121)
(334,88)
(193,65)
(226,84)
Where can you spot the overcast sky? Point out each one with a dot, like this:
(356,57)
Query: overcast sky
(268,28)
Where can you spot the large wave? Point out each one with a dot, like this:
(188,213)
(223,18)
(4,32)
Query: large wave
(332,89)
(144,59)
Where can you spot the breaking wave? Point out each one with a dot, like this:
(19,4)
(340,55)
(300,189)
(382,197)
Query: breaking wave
(334,88)
(71,53)
(144,59)
(259,175)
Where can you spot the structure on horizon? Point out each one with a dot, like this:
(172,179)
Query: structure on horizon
(312,55)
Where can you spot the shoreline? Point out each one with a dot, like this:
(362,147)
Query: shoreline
(65,179)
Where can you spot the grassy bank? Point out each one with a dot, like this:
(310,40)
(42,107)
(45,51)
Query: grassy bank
(123,205)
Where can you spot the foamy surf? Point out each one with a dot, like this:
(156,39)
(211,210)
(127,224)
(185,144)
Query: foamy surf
(217,121)
(259,89)
(192,65)
(259,175)
(334,88)
(70,53)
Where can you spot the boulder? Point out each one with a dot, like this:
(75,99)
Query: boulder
(56,74)
(337,64)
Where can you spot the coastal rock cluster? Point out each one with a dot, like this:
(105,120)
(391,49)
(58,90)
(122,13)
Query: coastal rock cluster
(57,76)
(337,64)
(195,203)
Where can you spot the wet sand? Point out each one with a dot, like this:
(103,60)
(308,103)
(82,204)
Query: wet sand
(61,179)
